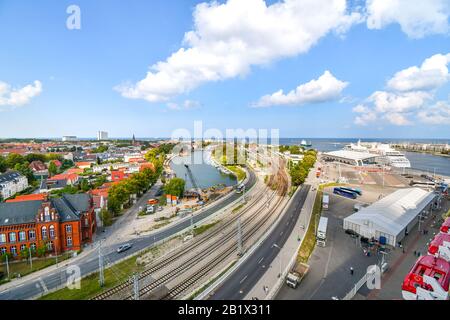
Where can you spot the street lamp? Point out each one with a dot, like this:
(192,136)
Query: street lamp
(281,268)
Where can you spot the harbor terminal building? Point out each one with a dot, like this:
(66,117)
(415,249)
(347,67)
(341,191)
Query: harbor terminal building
(354,158)
(390,219)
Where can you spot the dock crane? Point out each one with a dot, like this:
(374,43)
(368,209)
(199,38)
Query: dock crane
(194,182)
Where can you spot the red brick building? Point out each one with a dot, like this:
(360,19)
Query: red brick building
(59,224)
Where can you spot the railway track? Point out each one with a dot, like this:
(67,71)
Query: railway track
(176,255)
(282,181)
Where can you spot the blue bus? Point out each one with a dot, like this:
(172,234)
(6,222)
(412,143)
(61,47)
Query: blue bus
(357,191)
(345,193)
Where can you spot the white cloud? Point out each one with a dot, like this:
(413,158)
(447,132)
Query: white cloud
(186,105)
(229,38)
(365,118)
(388,102)
(410,93)
(417,18)
(16,97)
(439,114)
(432,74)
(397,119)
(325,88)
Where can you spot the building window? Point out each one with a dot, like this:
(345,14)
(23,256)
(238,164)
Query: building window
(22,236)
(69,241)
(49,246)
(47,214)
(13,251)
(23,247)
(68,228)
(12,237)
(33,246)
(52,232)
(2,238)
(86,222)
(2,250)
(44,232)
(32,234)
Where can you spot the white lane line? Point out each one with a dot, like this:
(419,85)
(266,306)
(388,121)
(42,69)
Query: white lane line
(260,260)
(243,279)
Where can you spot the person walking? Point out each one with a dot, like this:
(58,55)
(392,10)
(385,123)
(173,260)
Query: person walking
(351,270)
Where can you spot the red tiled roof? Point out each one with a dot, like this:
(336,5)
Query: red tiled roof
(29,197)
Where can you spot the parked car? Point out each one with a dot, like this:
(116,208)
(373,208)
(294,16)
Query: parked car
(124,247)
(351,232)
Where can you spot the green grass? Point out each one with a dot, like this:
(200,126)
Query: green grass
(23,267)
(239,207)
(309,240)
(204,227)
(240,174)
(331,184)
(90,285)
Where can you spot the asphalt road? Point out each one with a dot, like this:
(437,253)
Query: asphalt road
(89,263)
(247,275)
(329,273)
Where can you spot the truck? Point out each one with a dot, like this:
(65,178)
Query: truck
(325,201)
(322,232)
(296,275)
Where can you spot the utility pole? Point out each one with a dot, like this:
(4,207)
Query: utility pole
(239,231)
(136,286)
(100,266)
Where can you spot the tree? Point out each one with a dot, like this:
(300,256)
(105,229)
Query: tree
(298,175)
(13,159)
(84,185)
(175,187)
(52,169)
(42,249)
(106,218)
(2,164)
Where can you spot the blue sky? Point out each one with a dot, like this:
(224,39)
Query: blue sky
(82,72)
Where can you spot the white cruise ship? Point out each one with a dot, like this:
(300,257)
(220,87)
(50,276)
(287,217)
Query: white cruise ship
(387,155)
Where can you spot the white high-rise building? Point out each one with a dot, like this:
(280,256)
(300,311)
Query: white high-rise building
(102,135)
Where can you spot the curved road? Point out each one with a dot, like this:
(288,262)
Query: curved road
(241,281)
(89,263)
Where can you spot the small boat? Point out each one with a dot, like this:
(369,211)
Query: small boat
(303,143)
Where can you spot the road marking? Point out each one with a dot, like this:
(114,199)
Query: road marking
(260,260)
(243,279)
(281,233)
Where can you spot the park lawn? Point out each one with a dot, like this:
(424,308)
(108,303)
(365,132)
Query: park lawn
(23,267)
(90,287)
(309,241)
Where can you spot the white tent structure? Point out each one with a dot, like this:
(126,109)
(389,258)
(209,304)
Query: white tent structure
(393,216)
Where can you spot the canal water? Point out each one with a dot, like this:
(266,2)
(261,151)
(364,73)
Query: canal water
(205,174)
(419,161)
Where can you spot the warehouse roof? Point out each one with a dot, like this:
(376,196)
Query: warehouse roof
(394,212)
(352,155)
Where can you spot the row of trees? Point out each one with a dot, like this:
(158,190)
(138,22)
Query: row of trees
(292,149)
(22,163)
(300,171)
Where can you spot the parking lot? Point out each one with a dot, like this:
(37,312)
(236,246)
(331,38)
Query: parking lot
(329,274)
